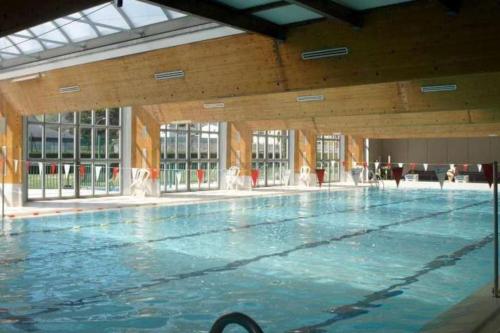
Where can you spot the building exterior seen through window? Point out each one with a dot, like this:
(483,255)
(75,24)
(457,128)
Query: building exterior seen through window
(73,154)
(190,157)
(328,156)
(270,156)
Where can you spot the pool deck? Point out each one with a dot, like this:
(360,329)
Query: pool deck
(73,206)
(478,313)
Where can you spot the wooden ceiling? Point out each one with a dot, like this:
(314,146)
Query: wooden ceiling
(373,91)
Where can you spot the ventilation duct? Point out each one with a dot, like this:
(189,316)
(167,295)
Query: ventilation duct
(316,98)
(325,53)
(214,105)
(72,89)
(438,88)
(169,75)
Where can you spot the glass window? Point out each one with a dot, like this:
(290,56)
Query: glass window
(100,117)
(51,141)
(86,117)
(67,142)
(100,143)
(114,143)
(270,156)
(114,117)
(328,156)
(85,142)
(68,117)
(35,141)
(52,118)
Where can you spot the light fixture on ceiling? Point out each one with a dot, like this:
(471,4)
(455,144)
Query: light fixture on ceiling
(312,98)
(27,78)
(180,122)
(438,88)
(71,89)
(325,53)
(214,105)
(492,134)
(169,75)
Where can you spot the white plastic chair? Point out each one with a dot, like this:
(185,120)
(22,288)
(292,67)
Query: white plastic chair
(305,175)
(356,175)
(139,183)
(286,177)
(232,175)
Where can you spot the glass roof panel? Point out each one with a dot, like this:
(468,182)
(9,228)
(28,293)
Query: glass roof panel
(49,31)
(368,4)
(239,4)
(287,14)
(7,47)
(141,13)
(26,44)
(107,15)
(76,30)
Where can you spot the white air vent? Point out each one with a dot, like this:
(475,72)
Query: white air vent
(316,98)
(169,75)
(27,78)
(326,53)
(181,122)
(66,90)
(438,88)
(214,105)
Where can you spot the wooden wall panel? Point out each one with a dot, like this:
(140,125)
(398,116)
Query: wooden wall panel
(145,136)
(12,139)
(305,150)
(395,45)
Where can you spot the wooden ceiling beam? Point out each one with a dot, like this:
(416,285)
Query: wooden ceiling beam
(226,15)
(331,10)
(453,6)
(266,6)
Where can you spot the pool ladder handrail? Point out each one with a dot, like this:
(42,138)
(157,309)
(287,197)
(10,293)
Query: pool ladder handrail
(235,318)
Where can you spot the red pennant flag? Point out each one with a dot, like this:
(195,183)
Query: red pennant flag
(466,167)
(365,165)
(116,170)
(255,175)
(389,165)
(344,163)
(320,173)
(488,173)
(413,166)
(82,171)
(53,168)
(28,165)
(397,172)
(200,174)
(154,174)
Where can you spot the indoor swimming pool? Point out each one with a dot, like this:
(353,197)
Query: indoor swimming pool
(359,260)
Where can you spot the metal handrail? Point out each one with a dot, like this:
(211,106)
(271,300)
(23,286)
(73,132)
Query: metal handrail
(235,318)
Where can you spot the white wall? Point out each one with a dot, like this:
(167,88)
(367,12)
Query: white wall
(459,151)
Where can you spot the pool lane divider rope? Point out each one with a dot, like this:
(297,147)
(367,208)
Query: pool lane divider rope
(160,219)
(200,233)
(231,266)
(364,305)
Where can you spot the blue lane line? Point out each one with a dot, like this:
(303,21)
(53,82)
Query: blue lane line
(244,262)
(195,234)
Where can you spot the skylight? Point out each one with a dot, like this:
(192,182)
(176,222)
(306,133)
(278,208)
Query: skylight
(75,30)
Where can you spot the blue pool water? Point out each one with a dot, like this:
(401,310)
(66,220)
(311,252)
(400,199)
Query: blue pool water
(348,261)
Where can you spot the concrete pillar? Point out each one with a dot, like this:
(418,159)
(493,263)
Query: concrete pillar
(239,138)
(354,154)
(11,141)
(146,146)
(305,155)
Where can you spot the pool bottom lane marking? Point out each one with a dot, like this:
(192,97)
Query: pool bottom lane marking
(244,262)
(200,233)
(364,305)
